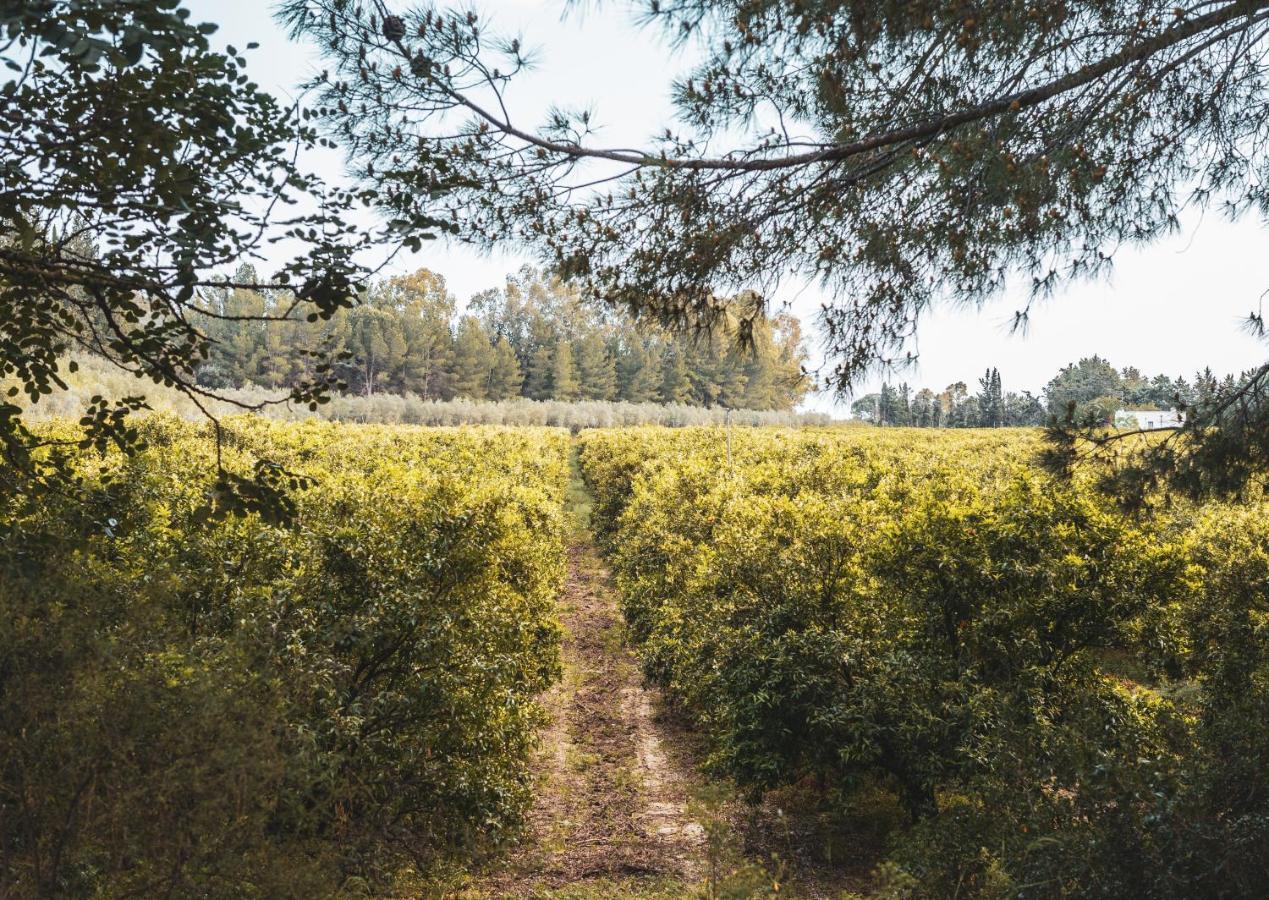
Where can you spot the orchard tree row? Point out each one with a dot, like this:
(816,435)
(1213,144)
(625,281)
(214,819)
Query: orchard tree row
(533,337)
(1028,693)
(226,706)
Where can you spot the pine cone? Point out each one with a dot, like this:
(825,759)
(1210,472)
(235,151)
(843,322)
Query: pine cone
(393,28)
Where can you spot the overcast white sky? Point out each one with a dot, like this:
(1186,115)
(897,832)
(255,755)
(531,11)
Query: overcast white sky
(1173,307)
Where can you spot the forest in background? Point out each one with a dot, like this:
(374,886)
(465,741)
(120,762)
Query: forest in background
(532,338)
(1096,388)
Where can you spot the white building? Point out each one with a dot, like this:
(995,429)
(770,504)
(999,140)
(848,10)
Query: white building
(1148,418)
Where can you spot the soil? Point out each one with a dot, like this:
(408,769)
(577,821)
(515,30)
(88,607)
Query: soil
(613,792)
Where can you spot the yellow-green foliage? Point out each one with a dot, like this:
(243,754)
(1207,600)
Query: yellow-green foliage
(237,709)
(932,610)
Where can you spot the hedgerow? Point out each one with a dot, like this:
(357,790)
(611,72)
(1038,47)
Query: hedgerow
(1065,700)
(98,378)
(227,707)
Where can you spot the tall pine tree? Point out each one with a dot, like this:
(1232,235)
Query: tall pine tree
(564,383)
(473,359)
(596,369)
(676,387)
(537,376)
(505,378)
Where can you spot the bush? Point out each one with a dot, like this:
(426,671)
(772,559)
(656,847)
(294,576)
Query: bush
(95,376)
(229,708)
(936,613)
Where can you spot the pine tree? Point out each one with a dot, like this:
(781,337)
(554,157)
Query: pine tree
(1205,386)
(888,406)
(564,383)
(377,345)
(425,309)
(537,376)
(675,385)
(703,359)
(733,381)
(596,369)
(1184,391)
(903,405)
(984,397)
(638,374)
(280,354)
(990,400)
(1162,392)
(243,347)
(473,359)
(404,334)
(505,378)
(760,390)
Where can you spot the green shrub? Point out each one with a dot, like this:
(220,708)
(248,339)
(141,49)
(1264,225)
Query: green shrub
(933,612)
(230,708)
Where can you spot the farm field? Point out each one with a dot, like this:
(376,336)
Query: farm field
(643,662)
(634,450)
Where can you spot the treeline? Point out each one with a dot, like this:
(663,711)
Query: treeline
(1096,388)
(533,338)
(953,407)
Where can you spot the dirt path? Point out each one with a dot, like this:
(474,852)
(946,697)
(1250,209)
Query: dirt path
(612,798)
(612,814)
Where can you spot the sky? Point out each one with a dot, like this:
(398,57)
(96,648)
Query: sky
(1173,307)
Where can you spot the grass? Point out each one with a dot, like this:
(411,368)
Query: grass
(645,888)
(577,500)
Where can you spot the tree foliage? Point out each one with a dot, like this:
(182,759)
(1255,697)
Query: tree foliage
(903,153)
(953,407)
(1063,700)
(404,335)
(231,708)
(1221,451)
(141,167)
